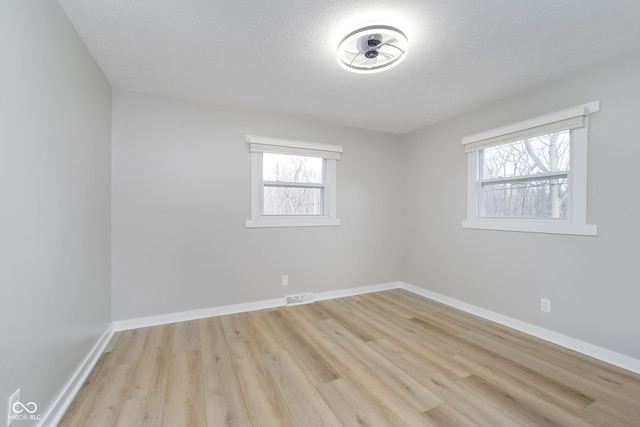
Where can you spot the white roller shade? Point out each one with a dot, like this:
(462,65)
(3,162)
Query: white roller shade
(563,120)
(261,144)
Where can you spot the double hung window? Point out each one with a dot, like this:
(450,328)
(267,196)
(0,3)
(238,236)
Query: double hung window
(293,183)
(532,175)
(526,179)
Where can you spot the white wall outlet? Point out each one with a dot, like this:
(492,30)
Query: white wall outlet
(285,280)
(545,305)
(15,397)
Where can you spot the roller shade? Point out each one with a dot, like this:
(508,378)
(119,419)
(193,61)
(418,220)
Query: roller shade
(564,120)
(261,144)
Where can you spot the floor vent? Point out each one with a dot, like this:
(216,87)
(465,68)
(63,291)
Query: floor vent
(305,298)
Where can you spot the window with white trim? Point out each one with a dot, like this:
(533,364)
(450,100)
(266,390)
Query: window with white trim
(532,175)
(293,183)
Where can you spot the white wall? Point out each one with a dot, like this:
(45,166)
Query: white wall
(181,184)
(55,111)
(593,282)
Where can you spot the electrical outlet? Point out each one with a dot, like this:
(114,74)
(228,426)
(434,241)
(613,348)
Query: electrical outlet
(545,305)
(285,280)
(15,397)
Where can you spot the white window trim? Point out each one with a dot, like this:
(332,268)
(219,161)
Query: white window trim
(576,222)
(330,153)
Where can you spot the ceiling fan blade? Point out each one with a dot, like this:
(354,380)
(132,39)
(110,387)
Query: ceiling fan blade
(390,41)
(390,45)
(355,56)
(386,55)
(367,62)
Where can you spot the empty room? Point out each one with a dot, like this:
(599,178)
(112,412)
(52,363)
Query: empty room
(319,213)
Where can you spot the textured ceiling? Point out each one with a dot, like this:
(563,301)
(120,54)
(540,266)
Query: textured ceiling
(279,55)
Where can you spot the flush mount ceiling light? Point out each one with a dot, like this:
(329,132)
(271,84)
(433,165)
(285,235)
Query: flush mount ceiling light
(372,49)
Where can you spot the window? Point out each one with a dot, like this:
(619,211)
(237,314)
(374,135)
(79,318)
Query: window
(525,179)
(292,183)
(532,175)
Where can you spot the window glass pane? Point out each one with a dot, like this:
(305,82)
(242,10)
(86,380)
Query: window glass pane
(289,168)
(293,201)
(543,154)
(535,198)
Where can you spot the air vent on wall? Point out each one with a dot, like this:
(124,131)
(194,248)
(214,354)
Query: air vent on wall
(297,299)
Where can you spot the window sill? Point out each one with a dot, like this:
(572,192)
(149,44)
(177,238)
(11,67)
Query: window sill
(291,222)
(532,226)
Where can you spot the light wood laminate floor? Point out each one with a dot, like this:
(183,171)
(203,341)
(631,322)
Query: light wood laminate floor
(384,359)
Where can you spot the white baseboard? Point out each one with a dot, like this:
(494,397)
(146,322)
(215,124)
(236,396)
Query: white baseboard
(183,316)
(585,348)
(356,291)
(163,319)
(59,405)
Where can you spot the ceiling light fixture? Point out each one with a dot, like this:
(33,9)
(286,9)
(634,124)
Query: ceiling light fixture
(372,49)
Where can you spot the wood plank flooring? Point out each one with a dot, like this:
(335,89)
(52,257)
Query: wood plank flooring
(384,359)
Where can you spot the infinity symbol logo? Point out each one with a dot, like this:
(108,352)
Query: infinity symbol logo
(19,407)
